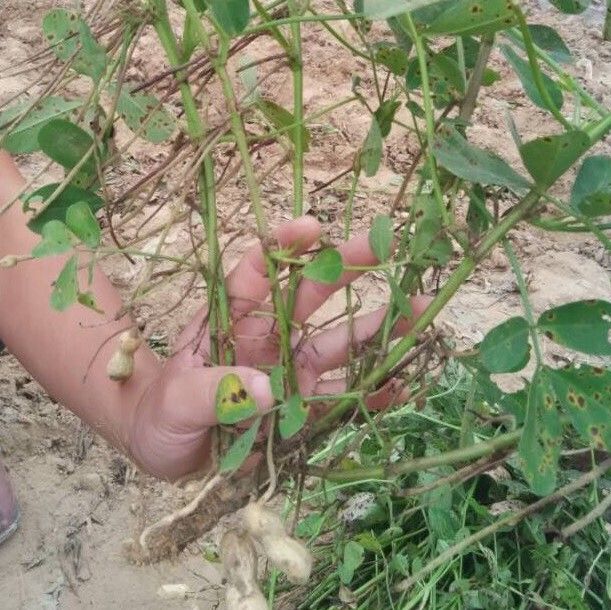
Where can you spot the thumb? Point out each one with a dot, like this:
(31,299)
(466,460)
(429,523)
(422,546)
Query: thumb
(192,393)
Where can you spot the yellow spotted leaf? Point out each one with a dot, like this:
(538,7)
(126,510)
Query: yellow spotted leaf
(233,402)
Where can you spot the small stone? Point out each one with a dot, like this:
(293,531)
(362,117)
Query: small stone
(173,591)
(499,260)
(91,481)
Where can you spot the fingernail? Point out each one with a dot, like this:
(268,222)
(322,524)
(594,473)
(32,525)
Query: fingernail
(262,391)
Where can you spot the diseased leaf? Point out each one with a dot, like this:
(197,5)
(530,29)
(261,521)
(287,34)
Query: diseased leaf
(478,217)
(88,300)
(233,403)
(58,207)
(591,194)
(465,17)
(293,416)
(393,57)
(523,70)
(582,326)
(381,237)
(474,164)
(539,447)
(445,78)
(548,157)
(505,349)
(548,39)
(56,238)
(282,119)
(326,268)
(65,288)
(584,393)
(240,449)
(143,114)
(430,244)
(83,224)
(231,15)
(371,155)
(71,39)
(23,136)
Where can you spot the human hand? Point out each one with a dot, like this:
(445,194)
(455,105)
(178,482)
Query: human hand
(170,435)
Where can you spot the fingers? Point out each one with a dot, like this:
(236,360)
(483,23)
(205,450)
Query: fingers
(392,394)
(311,295)
(330,349)
(248,284)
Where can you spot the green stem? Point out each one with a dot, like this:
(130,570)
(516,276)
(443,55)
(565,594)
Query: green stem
(468,104)
(528,310)
(390,471)
(429,115)
(218,301)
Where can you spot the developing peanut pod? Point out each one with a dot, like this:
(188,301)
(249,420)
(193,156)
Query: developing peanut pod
(121,365)
(260,521)
(235,601)
(288,554)
(239,559)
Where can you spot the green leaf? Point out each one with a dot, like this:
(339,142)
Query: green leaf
(276,381)
(474,164)
(282,119)
(65,288)
(233,403)
(383,9)
(327,267)
(66,143)
(393,57)
(385,115)
(584,393)
(583,326)
(490,77)
(138,109)
(523,70)
(70,37)
(399,300)
(83,224)
(548,157)
(474,17)
(55,239)
(23,137)
(549,40)
(539,447)
(505,349)
(591,193)
(354,554)
(190,38)
(371,155)
(57,210)
(572,7)
(381,237)
(293,416)
(231,15)
(310,525)
(240,449)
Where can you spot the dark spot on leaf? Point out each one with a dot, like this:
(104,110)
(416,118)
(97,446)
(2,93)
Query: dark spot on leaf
(581,401)
(242,394)
(549,334)
(235,398)
(597,370)
(596,396)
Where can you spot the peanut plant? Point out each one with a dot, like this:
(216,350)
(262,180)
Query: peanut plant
(423,65)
